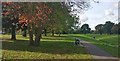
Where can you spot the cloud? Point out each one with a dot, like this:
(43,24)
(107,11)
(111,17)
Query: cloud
(115,5)
(83,18)
(110,16)
(109,12)
(108,0)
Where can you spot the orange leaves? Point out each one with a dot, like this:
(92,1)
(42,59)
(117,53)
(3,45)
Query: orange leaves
(37,7)
(30,11)
(42,11)
(23,19)
(45,6)
(8,2)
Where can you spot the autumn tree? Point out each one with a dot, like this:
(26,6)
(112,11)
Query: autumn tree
(13,19)
(5,25)
(34,14)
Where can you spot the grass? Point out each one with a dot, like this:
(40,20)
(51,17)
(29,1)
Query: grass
(57,47)
(50,48)
(107,42)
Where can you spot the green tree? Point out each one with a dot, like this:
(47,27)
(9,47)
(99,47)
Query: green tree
(99,28)
(39,14)
(107,27)
(61,20)
(119,28)
(85,29)
(6,25)
(114,29)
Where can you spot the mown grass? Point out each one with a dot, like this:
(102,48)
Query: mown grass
(50,48)
(107,42)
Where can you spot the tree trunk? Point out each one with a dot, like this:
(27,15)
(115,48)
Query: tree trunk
(100,33)
(25,33)
(45,31)
(38,36)
(31,43)
(52,32)
(59,33)
(37,39)
(13,37)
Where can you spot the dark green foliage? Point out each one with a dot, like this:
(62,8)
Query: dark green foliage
(85,29)
(99,28)
(107,27)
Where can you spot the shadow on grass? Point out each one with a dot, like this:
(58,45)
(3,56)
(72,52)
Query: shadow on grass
(58,38)
(53,47)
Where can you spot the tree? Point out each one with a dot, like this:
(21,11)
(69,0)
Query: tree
(5,25)
(67,16)
(13,26)
(13,20)
(114,29)
(38,14)
(35,14)
(107,27)
(85,29)
(24,28)
(99,28)
(61,20)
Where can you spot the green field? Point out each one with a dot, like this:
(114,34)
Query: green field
(50,48)
(108,43)
(56,47)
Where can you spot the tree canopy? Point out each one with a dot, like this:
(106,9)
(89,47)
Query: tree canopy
(38,16)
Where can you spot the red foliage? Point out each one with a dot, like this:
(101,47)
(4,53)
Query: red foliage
(24,11)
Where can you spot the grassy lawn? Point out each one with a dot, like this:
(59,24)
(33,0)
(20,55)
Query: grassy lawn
(50,48)
(107,42)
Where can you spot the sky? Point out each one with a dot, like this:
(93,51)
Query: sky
(99,13)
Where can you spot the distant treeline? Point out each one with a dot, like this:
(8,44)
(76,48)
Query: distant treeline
(107,28)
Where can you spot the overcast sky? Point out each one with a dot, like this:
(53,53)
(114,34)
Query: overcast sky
(106,10)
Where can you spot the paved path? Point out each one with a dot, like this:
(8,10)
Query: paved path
(98,53)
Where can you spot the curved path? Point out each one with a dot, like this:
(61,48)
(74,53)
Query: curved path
(97,53)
